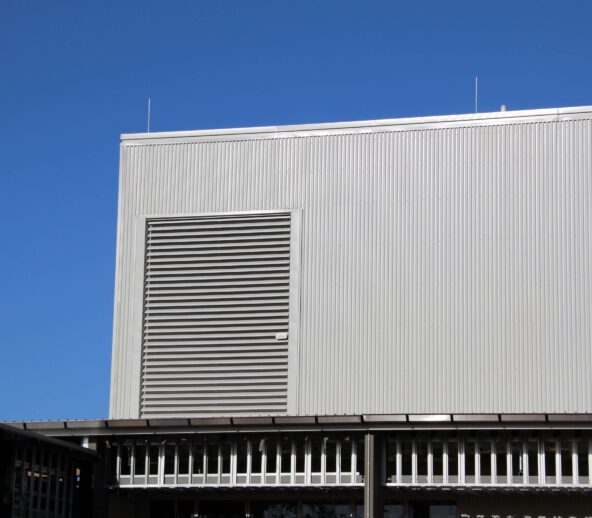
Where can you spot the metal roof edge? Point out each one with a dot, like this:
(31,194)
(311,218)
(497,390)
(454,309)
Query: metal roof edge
(369,124)
(84,427)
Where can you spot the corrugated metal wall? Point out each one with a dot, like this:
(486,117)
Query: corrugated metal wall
(445,267)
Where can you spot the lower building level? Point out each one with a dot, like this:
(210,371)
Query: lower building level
(333,467)
(346,504)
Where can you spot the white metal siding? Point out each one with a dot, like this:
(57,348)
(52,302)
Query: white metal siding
(216,295)
(445,266)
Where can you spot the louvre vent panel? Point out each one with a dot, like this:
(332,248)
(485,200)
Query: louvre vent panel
(216,294)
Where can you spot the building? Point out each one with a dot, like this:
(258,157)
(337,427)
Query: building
(42,476)
(353,319)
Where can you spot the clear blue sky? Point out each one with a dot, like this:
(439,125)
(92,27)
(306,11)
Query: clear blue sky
(73,77)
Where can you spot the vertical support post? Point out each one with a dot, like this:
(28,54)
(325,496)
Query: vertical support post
(338,461)
(161,464)
(430,462)
(32,478)
(264,462)
(220,464)
(67,482)
(133,462)
(191,445)
(176,464)
(294,461)
(399,478)
(354,462)
(382,463)
(324,461)
(590,461)
(445,461)
(574,462)
(509,461)
(42,456)
(414,461)
(493,462)
(558,473)
(57,484)
(73,468)
(525,466)
(477,462)
(24,466)
(249,460)
(233,461)
(373,507)
(278,462)
(461,460)
(118,464)
(99,478)
(541,460)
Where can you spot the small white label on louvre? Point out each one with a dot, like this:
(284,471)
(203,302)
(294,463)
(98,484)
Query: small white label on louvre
(281,336)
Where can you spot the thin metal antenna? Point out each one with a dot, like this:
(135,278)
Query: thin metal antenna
(476,94)
(148,114)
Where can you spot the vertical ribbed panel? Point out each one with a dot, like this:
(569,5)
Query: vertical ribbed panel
(445,268)
(216,295)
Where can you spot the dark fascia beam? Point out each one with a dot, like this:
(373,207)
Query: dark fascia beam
(127,423)
(270,423)
(475,418)
(86,424)
(385,418)
(295,420)
(252,421)
(429,418)
(168,423)
(521,418)
(569,418)
(339,419)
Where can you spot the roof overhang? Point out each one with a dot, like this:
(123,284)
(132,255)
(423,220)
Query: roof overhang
(363,422)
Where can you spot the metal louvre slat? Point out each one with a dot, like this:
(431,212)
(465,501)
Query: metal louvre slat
(212,363)
(200,285)
(234,313)
(226,300)
(157,227)
(256,255)
(211,377)
(210,276)
(266,357)
(223,247)
(158,293)
(213,404)
(166,346)
(184,321)
(180,384)
(212,411)
(211,305)
(216,294)
(202,327)
(221,242)
(218,392)
(196,352)
(199,338)
(222,265)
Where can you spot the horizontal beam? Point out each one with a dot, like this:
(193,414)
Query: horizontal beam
(304,423)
